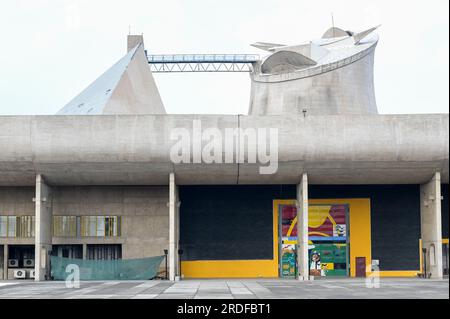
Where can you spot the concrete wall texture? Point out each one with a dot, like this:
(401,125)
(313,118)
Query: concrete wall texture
(144,211)
(17,201)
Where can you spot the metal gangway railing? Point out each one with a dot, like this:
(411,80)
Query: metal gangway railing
(164,63)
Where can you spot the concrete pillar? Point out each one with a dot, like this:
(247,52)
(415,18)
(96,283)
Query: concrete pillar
(302,229)
(174,231)
(84,251)
(2,263)
(43,233)
(431,226)
(5,261)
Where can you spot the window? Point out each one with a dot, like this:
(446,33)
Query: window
(92,226)
(12,229)
(65,226)
(3,226)
(112,226)
(17,226)
(27,224)
(100,226)
(104,252)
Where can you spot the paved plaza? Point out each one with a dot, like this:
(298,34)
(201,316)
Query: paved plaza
(228,289)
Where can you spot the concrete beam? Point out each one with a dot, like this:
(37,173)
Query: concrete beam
(302,229)
(174,230)
(43,231)
(431,225)
(135,149)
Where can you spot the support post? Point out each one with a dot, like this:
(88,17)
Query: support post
(5,262)
(43,231)
(84,251)
(173,228)
(431,225)
(302,229)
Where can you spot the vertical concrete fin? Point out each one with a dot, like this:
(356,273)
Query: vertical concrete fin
(173,228)
(302,228)
(431,225)
(5,262)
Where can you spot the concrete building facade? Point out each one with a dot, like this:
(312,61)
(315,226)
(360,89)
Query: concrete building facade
(354,191)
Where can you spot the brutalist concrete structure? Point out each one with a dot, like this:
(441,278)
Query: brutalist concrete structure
(354,190)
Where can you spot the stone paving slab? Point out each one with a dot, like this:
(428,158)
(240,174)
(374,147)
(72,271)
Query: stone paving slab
(227,289)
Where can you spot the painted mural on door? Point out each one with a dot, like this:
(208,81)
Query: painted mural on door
(328,240)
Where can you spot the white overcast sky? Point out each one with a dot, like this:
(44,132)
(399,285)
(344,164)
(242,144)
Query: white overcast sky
(50,50)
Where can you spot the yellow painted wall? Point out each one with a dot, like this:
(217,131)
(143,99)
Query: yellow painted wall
(230,269)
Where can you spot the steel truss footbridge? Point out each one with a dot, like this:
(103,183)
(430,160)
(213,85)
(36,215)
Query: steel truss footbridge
(166,63)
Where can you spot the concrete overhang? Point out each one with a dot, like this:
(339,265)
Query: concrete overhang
(135,149)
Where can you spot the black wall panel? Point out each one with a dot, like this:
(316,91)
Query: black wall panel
(444,209)
(395,219)
(228,222)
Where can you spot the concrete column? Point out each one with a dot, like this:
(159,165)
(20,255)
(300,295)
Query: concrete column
(173,228)
(302,229)
(431,226)
(5,261)
(43,232)
(85,251)
(2,263)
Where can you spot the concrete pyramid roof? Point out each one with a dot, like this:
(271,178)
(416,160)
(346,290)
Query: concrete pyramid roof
(127,87)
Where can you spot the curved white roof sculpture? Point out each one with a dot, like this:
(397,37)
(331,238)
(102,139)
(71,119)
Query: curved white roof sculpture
(335,32)
(282,61)
(327,76)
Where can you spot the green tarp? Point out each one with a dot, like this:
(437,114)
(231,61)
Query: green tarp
(120,269)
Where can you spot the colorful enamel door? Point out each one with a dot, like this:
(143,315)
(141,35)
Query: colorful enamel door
(288,240)
(328,234)
(328,240)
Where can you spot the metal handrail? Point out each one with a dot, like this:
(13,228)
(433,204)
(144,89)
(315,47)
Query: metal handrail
(202,58)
